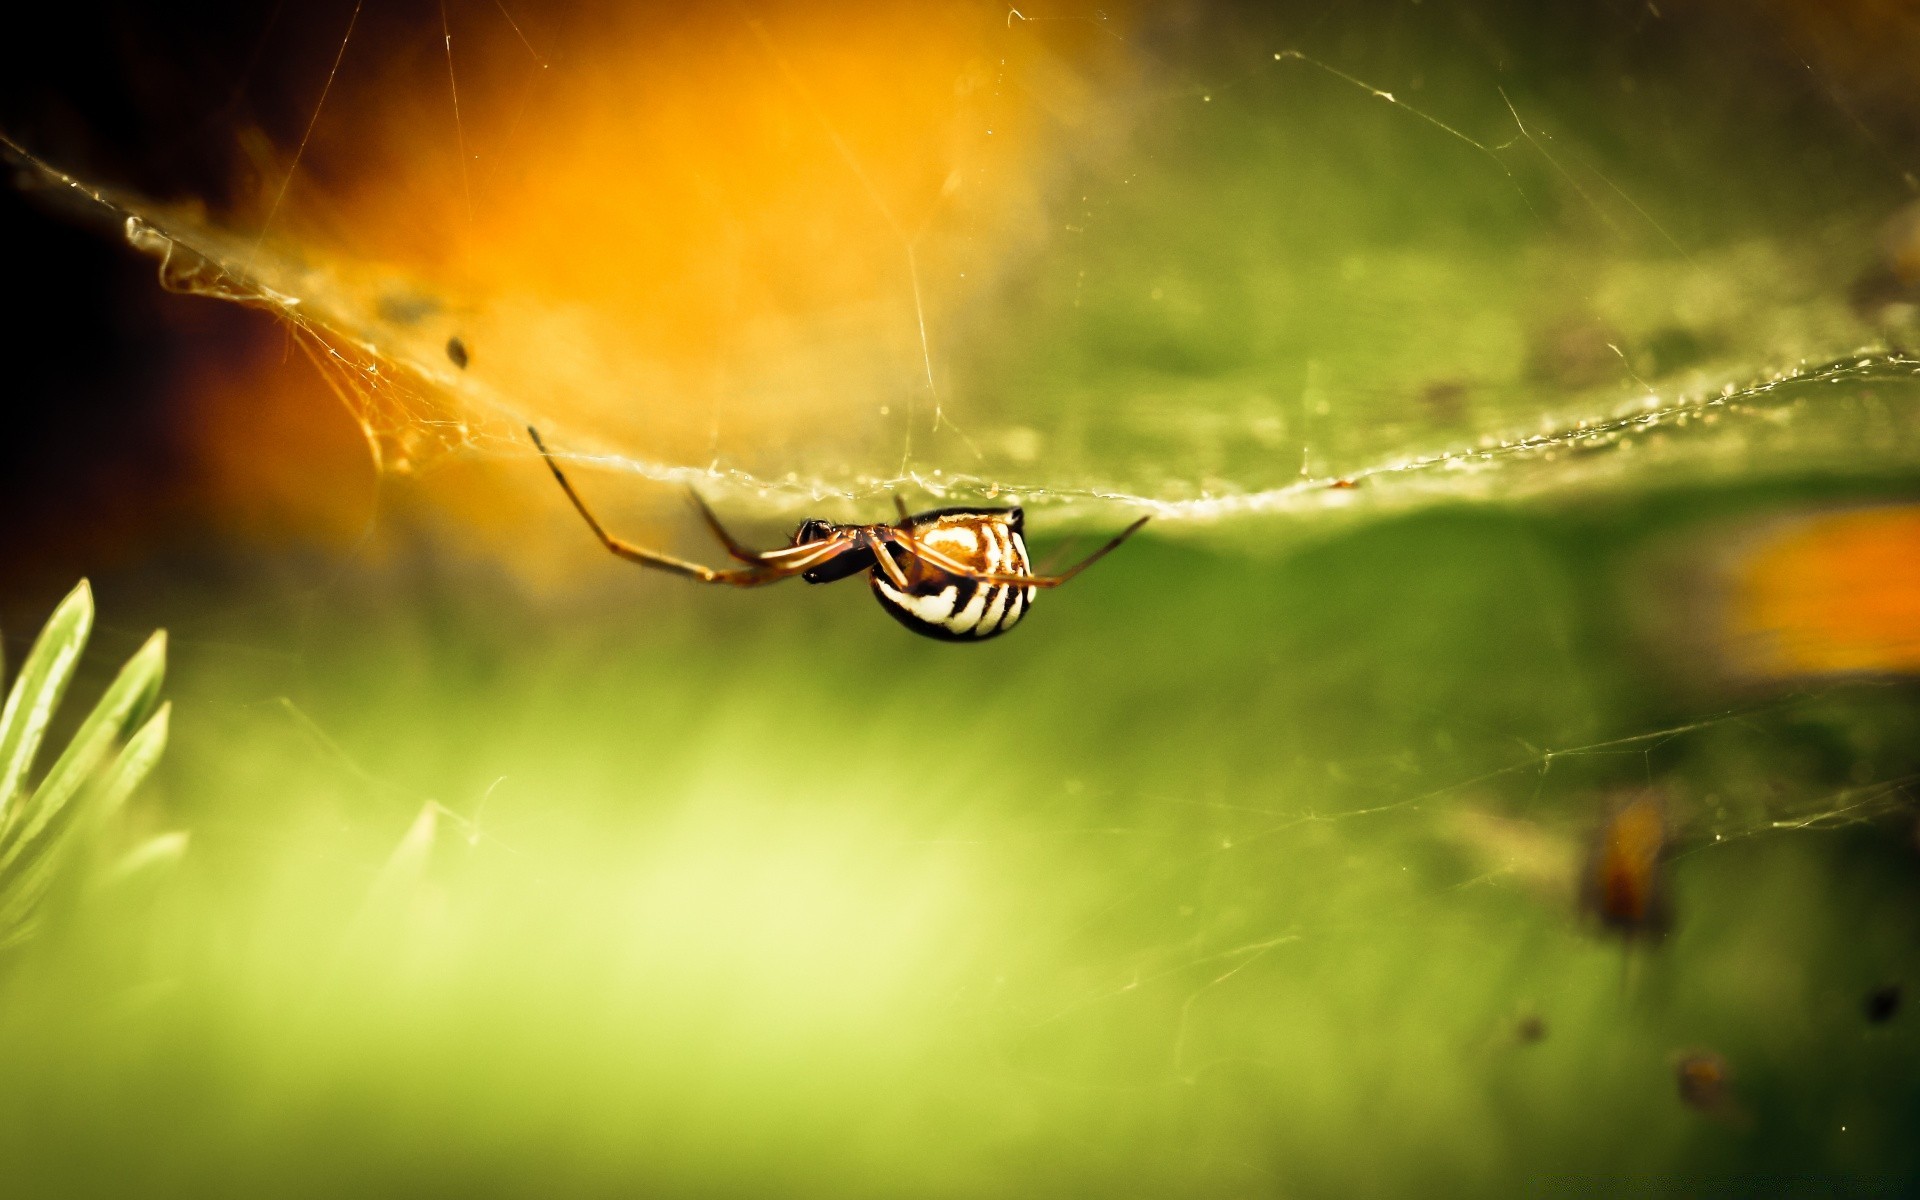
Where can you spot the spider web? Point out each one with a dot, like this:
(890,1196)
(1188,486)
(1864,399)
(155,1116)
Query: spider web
(1100,308)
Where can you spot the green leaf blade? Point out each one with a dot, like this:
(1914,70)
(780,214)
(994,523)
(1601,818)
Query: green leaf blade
(134,763)
(130,691)
(44,676)
(33,863)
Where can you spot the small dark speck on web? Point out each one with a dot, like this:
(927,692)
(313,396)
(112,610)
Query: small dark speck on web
(1883,1003)
(457,351)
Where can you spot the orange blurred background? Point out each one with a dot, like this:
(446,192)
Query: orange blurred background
(1831,593)
(695,234)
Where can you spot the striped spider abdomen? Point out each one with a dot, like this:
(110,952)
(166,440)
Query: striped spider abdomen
(956,608)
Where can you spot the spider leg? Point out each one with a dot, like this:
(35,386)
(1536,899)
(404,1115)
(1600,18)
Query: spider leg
(1096,556)
(900,506)
(891,569)
(733,546)
(942,562)
(738,550)
(750,576)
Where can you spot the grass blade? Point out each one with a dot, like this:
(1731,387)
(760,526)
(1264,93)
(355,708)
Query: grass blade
(161,850)
(131,692)
(44,676)
(25,882)
(134,763)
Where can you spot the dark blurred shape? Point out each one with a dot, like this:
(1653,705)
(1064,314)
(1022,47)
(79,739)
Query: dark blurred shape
(1581,351)
(104,455)
(1883,1004)
(1576,352)
(1702,1079)
(1445,401)
(1623,884)
(457,352)
(1532,1028)
(1671,348)
(1887,292)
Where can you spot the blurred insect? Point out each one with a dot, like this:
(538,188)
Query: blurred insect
(1702,1079)
(1883,1003)
(957,574)
(1623,885)
(1530,1029)
(457,353)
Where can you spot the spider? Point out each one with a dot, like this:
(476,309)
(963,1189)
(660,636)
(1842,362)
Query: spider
(956,574)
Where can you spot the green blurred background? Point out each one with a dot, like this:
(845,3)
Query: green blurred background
(1248,865)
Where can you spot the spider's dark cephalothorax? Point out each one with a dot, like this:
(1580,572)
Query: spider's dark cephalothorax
(957,574)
